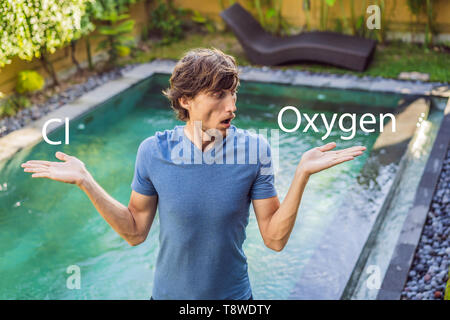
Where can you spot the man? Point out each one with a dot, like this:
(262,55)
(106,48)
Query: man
(203,205)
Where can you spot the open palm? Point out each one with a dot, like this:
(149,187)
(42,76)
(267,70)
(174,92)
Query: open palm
(321,158)
(72,170)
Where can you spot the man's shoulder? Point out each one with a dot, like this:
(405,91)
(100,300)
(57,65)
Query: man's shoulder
(160,140)
(163,136)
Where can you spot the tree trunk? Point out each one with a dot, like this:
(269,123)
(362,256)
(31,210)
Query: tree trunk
(147,25)
(49,68)
(89,54)
(73,47)
(113,52)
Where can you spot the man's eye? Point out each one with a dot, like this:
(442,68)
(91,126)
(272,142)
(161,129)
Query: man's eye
(222,94)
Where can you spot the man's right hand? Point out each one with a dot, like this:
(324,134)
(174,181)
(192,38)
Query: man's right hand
(132,223)
(72,170)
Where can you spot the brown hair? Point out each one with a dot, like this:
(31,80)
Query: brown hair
(201,70)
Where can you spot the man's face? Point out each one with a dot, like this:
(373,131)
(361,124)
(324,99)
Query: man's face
(215,110)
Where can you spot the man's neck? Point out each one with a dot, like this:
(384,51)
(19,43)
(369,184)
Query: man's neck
(198,136)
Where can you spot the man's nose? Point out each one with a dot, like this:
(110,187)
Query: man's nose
(231,105)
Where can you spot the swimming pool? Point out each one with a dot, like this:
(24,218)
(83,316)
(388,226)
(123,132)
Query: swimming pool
(46,226)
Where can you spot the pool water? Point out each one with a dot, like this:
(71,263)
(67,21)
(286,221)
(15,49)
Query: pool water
(47,226)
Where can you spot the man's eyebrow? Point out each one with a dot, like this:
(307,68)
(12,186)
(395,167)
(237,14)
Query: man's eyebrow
(213,92)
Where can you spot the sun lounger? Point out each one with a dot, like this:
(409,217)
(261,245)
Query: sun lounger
(262,48)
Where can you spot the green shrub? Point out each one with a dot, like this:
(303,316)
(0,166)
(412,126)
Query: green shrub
(269,15)
(166,22)
(418,7)
(203,21)
(9,106)
(118,39)
(123,51)
(29,81)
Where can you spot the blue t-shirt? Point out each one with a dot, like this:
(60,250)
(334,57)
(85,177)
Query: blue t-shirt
(203,206)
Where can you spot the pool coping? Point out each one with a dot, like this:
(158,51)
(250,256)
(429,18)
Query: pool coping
(31,134)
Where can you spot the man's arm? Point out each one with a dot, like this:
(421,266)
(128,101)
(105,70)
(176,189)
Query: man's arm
(132,223)
(276,221)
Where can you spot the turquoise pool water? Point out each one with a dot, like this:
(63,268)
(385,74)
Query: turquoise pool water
(47,226)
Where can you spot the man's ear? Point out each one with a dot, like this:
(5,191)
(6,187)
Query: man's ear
(185,102)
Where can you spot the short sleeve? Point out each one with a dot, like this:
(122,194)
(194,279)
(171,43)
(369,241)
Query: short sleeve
(264,184)
(141,180)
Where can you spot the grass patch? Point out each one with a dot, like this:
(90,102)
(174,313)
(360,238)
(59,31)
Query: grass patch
(392,59)
(223,41)
(447,290)
(388,62)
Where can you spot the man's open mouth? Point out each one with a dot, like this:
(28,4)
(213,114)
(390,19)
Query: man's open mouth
(226,121)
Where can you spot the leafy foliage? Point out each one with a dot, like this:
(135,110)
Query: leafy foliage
(357,25)
(118,39)
(418,7)
(98,9)
(166,22)
(415,6)
(29,81)
(35,28)
(32,27)
(269,16)
(324,4)
(101,11)
(203,21)
(9,106)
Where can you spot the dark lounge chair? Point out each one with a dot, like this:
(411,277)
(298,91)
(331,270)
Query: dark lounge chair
(263,48)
